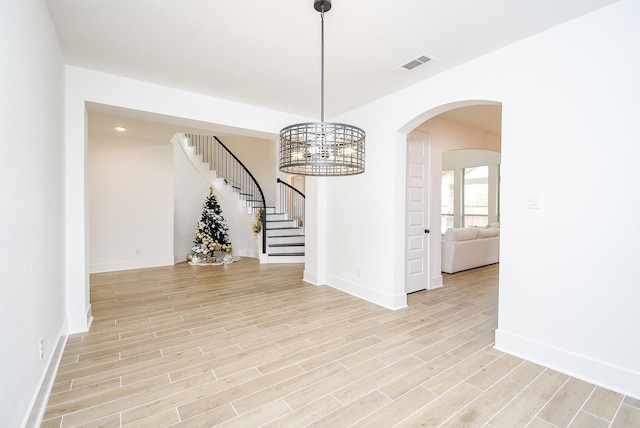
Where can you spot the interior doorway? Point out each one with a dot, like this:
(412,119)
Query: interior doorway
(477,125)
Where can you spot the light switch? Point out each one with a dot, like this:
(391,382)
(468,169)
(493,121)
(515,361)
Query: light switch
(534,201)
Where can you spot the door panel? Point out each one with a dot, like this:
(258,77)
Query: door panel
(417,237)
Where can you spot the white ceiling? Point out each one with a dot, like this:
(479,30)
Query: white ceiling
(268,53)
(486,118)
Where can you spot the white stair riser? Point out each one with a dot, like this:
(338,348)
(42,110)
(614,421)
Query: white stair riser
(284,232)
(278,216)
(272,240)
(253,210)
(250,204)
(283,223)
(285,250)
(286,259)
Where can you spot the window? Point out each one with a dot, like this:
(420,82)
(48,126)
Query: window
(447,195)
(470,188)
(475,210)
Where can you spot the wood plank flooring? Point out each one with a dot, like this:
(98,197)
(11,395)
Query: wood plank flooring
(248,345)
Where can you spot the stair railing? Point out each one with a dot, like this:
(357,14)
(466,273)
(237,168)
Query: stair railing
(234,172)
(291,200)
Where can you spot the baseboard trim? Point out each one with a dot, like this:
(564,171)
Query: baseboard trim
(39,405)
(381,299)
(393,302)
(581,367)
(79,323)
(312,278)
(131,264)
(436,282)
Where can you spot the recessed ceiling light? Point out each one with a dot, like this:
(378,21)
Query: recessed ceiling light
(120,128)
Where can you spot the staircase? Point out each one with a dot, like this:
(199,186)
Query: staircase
(283,231)
(285,239)
(285,226)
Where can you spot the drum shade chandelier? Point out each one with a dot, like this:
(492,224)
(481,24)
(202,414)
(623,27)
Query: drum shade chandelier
(322,148)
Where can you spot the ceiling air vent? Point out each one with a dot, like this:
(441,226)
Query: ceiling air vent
(422,59)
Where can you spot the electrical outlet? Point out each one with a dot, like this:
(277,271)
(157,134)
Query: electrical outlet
(41,348)
(359,272)
(138,251)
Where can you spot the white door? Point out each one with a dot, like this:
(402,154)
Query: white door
(417,221)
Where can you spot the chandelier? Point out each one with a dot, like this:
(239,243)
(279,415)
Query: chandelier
(322,148)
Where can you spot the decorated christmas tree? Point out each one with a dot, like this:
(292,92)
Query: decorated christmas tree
(212,233)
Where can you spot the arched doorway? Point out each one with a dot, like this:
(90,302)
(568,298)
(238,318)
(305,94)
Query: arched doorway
(463,125)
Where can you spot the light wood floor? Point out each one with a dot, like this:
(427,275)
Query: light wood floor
(248,345)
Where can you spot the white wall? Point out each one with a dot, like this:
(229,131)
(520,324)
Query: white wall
(570,97)
(130,203)
(32,246)
(468,158)
(260,157)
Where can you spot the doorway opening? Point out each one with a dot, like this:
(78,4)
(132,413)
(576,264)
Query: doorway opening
(468,126)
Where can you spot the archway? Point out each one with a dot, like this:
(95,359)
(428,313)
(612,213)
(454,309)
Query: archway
(448,127)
